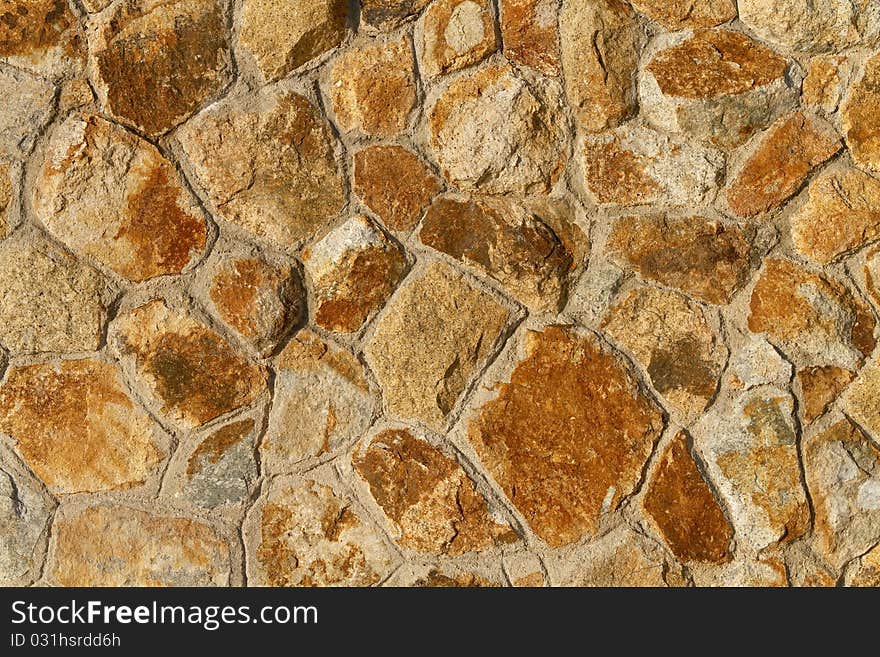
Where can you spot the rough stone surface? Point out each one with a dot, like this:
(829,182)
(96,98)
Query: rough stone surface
(754,362)
(820,387)
(41,35)
(6,198)
(861,401)
(456,34)
(530,32)
(859,116)
(27,107)
(866,571)
(824,85)
(387,14)
(683,14)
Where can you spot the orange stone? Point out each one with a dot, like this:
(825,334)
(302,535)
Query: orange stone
(530,32)
(820,387)
(683,14)
(859,117)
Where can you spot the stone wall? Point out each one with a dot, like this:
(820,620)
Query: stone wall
(450,292)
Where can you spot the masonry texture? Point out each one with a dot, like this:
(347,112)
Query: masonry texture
(440,292)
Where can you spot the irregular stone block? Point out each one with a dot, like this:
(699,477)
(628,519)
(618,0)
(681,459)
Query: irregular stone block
(456,34)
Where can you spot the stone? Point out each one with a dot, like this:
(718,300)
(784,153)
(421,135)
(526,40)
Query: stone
(434,335)
(77,428)
(716,86)
(388,14)
(189,373)
(27,108)
(793,147)
(373,88)
(824,84)
(861,401)
(683,506)
(121,546)
(745,571)
(804,25)
(567,437)
(113,197)
(600,45)
(322,403)
(395,184)
(871,273)
(493,131)
(859,116)
(842,469)
(94,6)
(446,575)
(431,502)
(634,165)
(456,34)
(704,258)
(591,296)
(820,388)
(49,302)
(866,570)
(671,337)
(749,446)
(6,198)
(530,33)
(810,318)
(74,94)
(505,241)
(42,36)
(353,269)
(267,165)
(282,36)
(308,535)
(686,14)
(754,362)
(156,62)
(841,214)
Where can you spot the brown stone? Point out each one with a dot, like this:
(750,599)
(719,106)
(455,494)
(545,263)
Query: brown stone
(157,61)
(704,258)
(866,571)
(437,579)
(684,508)
(684,14)
(820,387)
(530,32)
(457,34)
(40,35)
(859,118)
(427,495)
(354,269)
(109,195)
(120,546)
(567,437)
(861,401)
(824,84)
(77,428)
(871,272)
(191,374)
(434,335)
(267,165)
(793,147)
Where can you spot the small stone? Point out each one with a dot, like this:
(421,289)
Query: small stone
(861,401)
(567,437)
(824,84)
(74,94)
(190,373)
(866,570)
(427,496)
(749,446)
(672,339)
(308,535)
(591,297)
(505,241)
(493,131)
(49,302)
(756,362)
(793,147)
(820,387)
(27,108)
(267,165)
(157,61)
(684,508)
(388,14)
(6,198)
(633,166)
(322,403)
(456,35)
(859,117)
(842,468)
(600,45)
(373,88)
(716,86)
(121,546)
(530,32)
(684,14)
(77,428)
(395,184)
(813,320)
(841,214)
(354,269)
(42,36)
(110,195)
(699,256)
(434,335)
(445,575)
(283,35)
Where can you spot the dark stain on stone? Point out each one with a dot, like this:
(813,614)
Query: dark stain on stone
(681,368)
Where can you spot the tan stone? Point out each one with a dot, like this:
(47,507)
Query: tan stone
(109,195)
(388,14)
(861,401)
(308,535)
(190,373)
(530,32)
(121,546)
(6,198)
(373,89)
(354,270)
(447,574)
(322,403)
(683,14)
(866,571)
(812,319)
(283,35)
(267,165)
(672,339)
(456,34)
(41,35)
(754,362)
(157,61)
(793,147)
(824,84)
(859,116)
(566,438)
(431,502)
(74,94)
(704,258)
(820,387)
(493,131)
(77,428)
(745,571)
(434,335)
(26,109)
